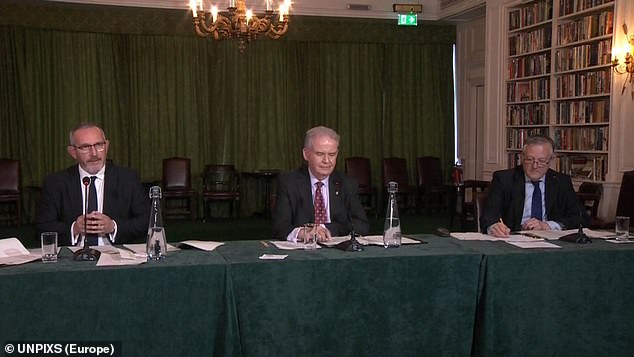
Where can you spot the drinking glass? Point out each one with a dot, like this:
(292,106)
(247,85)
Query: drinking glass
(49,247)
(622,228)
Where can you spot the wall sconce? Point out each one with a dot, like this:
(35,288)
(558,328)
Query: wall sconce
(626,65)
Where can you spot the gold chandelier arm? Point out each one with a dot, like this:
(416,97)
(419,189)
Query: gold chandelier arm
(278,30)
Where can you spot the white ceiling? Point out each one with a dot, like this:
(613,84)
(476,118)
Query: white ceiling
(378,8)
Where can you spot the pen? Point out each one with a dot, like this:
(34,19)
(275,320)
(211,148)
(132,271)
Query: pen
(501,221)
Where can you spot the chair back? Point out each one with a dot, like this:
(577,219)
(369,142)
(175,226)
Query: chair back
(220,178)
(359,169)
(480,201)
(395,169)
(9,176)
(625,205)
(589,194)
(429,171)
(177,174)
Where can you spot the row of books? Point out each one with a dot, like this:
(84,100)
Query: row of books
(534,13)
(529,66)
(583,111)
(515,137)
(521,91)
(567,7)
(586,83)
(527,114)
(580,167)
(585,28)
(532,41)
(594,138)
(588,55)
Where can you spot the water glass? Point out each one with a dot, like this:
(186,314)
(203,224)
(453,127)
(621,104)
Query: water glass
(310,236)
(622,228)
(49,247)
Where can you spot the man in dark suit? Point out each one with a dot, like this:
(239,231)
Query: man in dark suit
(532,196)
(317,194)
(121,210)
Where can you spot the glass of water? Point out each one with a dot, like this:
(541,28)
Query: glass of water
(622,228)
(310,236)
(49,247)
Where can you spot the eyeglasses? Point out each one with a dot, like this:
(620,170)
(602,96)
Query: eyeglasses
(100,146)
(531,161)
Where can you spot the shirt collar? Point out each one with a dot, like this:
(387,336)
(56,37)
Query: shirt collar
(100,175)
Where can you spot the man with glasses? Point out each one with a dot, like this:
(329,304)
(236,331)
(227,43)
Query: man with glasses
(117,204)
(532,196)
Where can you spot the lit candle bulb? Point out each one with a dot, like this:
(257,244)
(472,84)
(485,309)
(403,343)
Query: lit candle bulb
(249,15)
(232,3)
(192,5)
(214,13)
(268,5)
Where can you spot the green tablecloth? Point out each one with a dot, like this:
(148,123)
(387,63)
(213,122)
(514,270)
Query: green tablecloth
(179,307)
(417,300)
(572,301)
(445,298)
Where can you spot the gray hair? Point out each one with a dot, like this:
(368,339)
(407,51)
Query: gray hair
(317,132)
(84,125)
(540,140)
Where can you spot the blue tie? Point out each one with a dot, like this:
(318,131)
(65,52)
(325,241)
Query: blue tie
(92,206)
(536,205)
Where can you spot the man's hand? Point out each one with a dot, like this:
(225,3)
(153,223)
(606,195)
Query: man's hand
(535,224)
(499,229)
(323,234)
(96,223)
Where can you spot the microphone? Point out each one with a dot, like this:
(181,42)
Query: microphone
(351,245)
(85,253)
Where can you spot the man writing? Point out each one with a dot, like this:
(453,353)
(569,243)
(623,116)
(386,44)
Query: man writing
(318,194)
(532,196)
(117,206)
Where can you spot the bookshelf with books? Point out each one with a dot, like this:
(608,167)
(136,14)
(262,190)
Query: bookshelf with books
(558,81)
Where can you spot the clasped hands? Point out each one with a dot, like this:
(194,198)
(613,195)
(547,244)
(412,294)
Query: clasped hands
(499,229)
(95,223)
(322,233)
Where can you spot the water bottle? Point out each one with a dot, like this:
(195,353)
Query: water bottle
(156,246)
(392,229)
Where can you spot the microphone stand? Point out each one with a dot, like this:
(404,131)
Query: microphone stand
(351,245)
(86,253)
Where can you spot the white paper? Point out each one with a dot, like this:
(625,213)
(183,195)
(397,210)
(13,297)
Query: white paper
(12,252)
(378,240)
(106,259)
(555,234)
(201,244)
(533,244)
(486,237)
(273,256)
(286,245)
(141,248)
(620,241)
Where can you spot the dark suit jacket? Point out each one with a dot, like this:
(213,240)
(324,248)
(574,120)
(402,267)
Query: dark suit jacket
(124,201)
(294,204)
(507,194)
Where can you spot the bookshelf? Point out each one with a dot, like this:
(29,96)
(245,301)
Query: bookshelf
(558,82)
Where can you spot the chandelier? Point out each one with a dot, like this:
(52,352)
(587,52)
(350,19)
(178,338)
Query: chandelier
(239,22)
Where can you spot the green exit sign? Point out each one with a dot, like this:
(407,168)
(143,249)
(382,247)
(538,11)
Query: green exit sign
(408,19)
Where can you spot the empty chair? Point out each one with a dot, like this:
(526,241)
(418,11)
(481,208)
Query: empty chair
(479,199)
(178,196)
(589,194)
(432,192)
(359,169)
(395,169)
(10,194)
(221,183)
(465,197)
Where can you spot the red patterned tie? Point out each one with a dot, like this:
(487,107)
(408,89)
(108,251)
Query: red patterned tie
(320,207)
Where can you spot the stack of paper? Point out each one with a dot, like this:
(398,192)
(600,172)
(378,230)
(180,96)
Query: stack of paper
(12,252)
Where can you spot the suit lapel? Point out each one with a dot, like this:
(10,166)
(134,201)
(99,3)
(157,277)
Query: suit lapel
(307,194)
(335,192)
(519,189)
(551,191)
(74,189)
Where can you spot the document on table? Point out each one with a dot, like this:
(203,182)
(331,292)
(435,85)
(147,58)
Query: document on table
(273,256)
(141,247)
(12,252)
(554,234)
(121,257)
(366,240)
(286,245)
(486,237)
(200,244)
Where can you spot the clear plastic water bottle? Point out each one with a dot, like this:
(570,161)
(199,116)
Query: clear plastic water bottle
(156,246)
(392,229)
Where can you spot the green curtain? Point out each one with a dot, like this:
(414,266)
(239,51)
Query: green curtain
(160,94)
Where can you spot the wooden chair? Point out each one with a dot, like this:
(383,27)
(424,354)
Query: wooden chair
(359,169)
(10,194)
(395,169)
(432,193)
(589,194)
(480,200)
(178,196)
(221,183)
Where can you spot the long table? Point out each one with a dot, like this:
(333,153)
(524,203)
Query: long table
(445,298)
